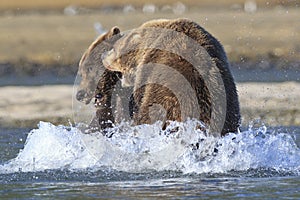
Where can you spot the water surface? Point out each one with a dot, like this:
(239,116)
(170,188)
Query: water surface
(260,162)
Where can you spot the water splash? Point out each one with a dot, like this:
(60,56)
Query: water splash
(181,147)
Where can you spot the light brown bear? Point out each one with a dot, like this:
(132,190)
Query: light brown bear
(94,76)
(178,71)
(90,65)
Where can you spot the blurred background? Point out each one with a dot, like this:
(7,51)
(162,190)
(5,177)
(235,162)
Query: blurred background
(42,42)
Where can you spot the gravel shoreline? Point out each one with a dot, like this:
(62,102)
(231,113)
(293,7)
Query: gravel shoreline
(275,104)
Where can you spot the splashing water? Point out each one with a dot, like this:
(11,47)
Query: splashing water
(147,147)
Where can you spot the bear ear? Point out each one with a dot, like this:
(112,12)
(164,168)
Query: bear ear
(115,30)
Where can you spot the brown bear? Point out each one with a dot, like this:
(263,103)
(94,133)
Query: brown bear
(94,76)
(178,71)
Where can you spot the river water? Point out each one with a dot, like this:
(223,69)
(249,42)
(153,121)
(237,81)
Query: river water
(53,162)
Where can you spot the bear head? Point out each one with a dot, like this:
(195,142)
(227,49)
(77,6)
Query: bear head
(90,65)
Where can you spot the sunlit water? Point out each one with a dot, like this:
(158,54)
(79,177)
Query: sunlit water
(144,161)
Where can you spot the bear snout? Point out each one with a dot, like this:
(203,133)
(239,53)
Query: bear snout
(82,96)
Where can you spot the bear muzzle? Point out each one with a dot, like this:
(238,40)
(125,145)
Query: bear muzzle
(83,96)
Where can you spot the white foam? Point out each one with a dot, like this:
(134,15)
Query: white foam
(147,147)
(50,147)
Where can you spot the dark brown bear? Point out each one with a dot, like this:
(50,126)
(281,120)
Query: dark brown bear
(178,71)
